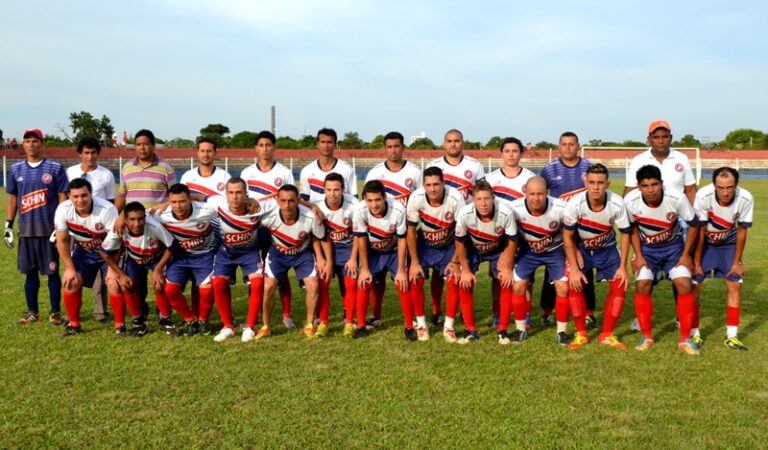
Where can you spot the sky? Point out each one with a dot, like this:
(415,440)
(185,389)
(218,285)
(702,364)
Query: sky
(603,69)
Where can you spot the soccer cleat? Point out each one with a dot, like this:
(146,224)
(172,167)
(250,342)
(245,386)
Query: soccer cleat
(55,319)
(288,322)
(373,322)
(138,327)
(578,341)
(309,331)
(410,335)
(644,344)
(688,347)
(635,326)
(547,321)
(167,327)
(495,321)
(437,320)
(225,334)
(698,341)
(503,338)
(71,331)
(205,328)
(518,336)
(592,322)
(247,335)
(263,333)
(349,330)
(562,338)
(29,317)
(449,335)
(120,331)
(423,333)
(469,336)
(192,328)
(360,333)
(612,341)
(735,344)
(322,330)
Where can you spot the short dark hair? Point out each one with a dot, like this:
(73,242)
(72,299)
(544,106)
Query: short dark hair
(179,188)
(720,171)
(433,171)
(599,169)
(333,176)
(327,132)
(483,185)
(512,140)
(394,135)
(265,135)
(374,187)
(206,140)
(453,130)
(238,180)
(79,183)
(648,172)
(147,134)
(88,142)
(569,134)
(134,207)
(288,188)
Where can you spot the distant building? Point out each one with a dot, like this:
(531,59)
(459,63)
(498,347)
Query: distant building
(421,135)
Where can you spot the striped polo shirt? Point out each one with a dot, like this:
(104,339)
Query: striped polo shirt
(146,185)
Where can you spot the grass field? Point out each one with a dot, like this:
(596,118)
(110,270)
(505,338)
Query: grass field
(98,391)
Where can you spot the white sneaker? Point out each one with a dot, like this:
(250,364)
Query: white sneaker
(248,335)
(224,334)
(288,322)
(635,325)
(449,335)
(422,333)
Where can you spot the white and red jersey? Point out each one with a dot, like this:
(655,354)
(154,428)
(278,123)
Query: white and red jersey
(197,234)
(382,231)
(721,221)
(660,225)
(209,186)
(89,231)
(675,169)
(312,179)
(265,183)
(398,184)
(238,231)
(438,223)
(144,248)
(595,228)
(486,236)
(509,187)
(542,232)
(461,176)
(338,222)
(290,240)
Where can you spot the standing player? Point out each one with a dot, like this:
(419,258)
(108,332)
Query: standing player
(725,212)
(590,243)
(565,178)
(508,184)
(658,242)
(146,246)
(296,243)
(379,227)
(338,209)
(87,219)
(539,218)
(36,186)
(492,233)
(313,175)
(436,207)
(205,180)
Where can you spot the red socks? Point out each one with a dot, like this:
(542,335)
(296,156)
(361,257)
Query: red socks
(614,303)
(324,301)
(350,298)
(362,303)
(163,304)
(406,304)
(732,314)
(118,308)
(505,308)
(562,309)
(644,311)
(72,303)
(223,300)
(578,306)
(452,298)
(206,302)
(685,309)
(255,299)
(417,297)
(285,297)
(467,309)
(179,302)
(520,306)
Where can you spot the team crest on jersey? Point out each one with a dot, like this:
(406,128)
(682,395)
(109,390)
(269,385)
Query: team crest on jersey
(254,219)
(302,235)
(99,226)
(553,225)
(468,174)
(671,216)
(47,178)
(152,243)
(52,265)
(392,227)
(499,230)
(278,182)
(678,167)
(409,182)
(220,187)
(347,221)
(736,216)
(200,226)
(449,216)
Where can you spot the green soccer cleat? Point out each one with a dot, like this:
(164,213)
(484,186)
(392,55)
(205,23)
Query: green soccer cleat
(735,344)
(349,330)
(322,330)
(578,341)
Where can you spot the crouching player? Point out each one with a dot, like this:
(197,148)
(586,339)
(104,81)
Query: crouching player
(436,207)
(87,219)
(492,236)
(658,243)
(379,227)
(725,212)
(298,242)
(590,216)
(145,246)
(337,207)
(539,219)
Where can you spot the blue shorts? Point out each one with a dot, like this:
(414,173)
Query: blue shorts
(277,264)
(434,257)
(37,254)
(381,263)
(663,257)
(475,259)
(88,264)
(527,262)
(226,262)
(605,260)
(341,254)
(716,262)
(184,267)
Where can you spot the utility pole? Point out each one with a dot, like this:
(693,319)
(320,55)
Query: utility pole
(272,119)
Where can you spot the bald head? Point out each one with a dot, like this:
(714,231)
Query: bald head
(536,182)
(536,194)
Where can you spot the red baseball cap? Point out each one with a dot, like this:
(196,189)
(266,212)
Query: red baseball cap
(36,132)
(659,124)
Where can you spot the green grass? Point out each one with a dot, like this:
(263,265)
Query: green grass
(98,391)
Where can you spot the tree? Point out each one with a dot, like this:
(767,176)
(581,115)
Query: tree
(631,143)
(545,145)
(592,143)
(473,145)
(56,141)
(377,142)
(423,143)
(351,140)
(287,142)
(307,141)
(215,128)
(494,142)
(84,124)
(243,139)
(744,138)
(180,143)
(221,141)
(687,141)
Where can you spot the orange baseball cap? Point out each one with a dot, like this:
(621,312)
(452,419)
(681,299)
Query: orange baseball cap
(656,124)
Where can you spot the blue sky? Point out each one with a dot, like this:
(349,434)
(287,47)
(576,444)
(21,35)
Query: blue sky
(603,69)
